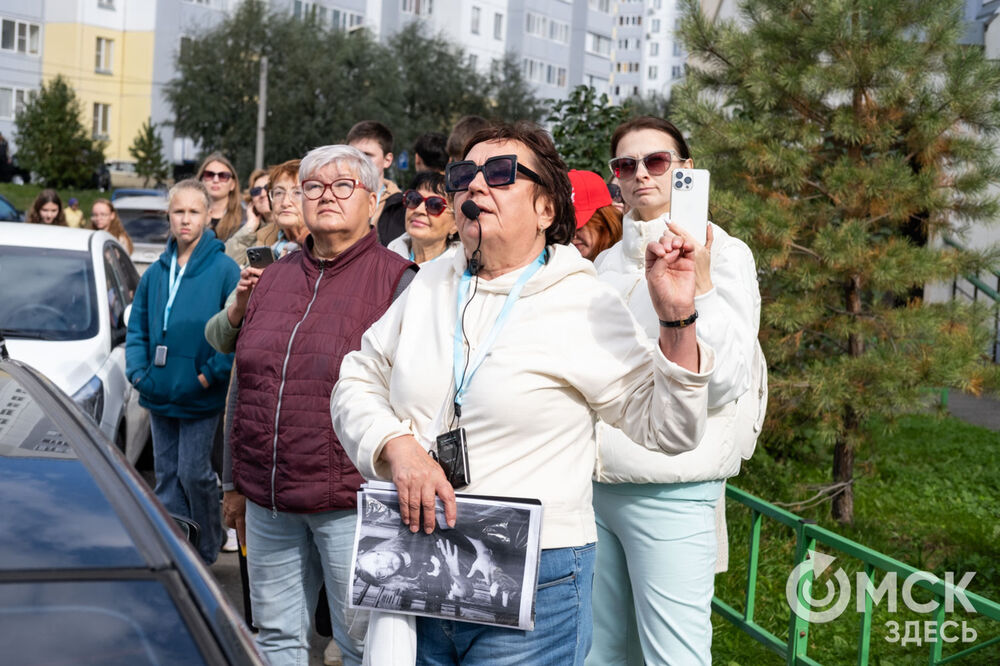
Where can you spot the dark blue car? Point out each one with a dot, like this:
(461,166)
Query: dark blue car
(92,569)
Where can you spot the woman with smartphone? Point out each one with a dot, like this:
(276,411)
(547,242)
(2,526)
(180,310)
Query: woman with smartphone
(656,514)
(181,380)
(259,228)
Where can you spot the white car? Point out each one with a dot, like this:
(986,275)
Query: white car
(145,219)
(65,296)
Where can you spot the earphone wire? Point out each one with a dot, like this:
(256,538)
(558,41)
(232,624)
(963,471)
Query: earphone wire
(457,418)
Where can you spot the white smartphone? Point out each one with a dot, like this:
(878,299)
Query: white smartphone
(689,201)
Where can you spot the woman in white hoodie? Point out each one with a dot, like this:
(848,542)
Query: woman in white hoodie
(656,514)
(515,340)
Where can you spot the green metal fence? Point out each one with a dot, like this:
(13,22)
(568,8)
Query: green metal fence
(974,288)
(793,646)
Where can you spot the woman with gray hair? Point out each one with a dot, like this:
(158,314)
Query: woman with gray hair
(307,311)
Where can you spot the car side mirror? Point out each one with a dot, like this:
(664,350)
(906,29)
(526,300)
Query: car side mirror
(189,529)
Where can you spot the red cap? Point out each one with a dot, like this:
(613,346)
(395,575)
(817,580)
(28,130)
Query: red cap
(589,194)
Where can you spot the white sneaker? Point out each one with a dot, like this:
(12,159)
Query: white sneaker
(231,545)
(331,655)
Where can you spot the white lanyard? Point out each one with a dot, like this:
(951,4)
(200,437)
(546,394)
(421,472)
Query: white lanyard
(174,285)
(462,377)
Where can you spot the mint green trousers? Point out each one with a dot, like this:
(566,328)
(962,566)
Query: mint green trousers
(655,573)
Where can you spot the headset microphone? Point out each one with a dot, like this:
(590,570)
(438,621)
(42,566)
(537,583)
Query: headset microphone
(471,211)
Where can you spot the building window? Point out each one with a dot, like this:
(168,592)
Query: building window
(106,4)
(473,60)
(598,44)
(104,54)
(498,26)
(677,49)
(654,48)
(474,28)
(12,101)
(656,26)
(601,5)
(418,7)
(102,120)
(652,72)
(676,72)
(20,37)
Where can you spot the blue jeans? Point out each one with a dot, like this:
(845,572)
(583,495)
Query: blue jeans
(655,573)
(185,482)
(563,622)
(288,556)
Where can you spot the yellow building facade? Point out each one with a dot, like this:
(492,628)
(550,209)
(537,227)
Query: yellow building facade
(111,72)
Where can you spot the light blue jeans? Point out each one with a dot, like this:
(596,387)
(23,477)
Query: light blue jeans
(289,555)
(185,481)
(655,573)
(563,622)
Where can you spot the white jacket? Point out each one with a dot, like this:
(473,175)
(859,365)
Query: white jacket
(728,321)
(401,245)
(569,352)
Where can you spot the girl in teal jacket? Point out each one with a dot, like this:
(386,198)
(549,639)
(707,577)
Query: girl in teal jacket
(180,378)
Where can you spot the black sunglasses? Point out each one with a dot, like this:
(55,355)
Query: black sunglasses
(615,192)
(434,205)
(498,171)
(656,164)
(223,176)
(257,191)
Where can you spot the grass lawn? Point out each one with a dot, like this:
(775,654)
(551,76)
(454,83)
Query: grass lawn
(22,196)
(926,495)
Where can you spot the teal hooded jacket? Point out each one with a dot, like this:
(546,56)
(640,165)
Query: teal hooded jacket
(174,390)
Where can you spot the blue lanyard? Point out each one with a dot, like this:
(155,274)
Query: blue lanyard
(462,381)
(175,284)
(411,256)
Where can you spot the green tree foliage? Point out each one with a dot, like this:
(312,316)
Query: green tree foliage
(582,125)
(147,151)
(323,80)
(842,135)
(52,140)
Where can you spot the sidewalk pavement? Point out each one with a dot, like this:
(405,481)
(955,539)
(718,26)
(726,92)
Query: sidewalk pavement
(982,411)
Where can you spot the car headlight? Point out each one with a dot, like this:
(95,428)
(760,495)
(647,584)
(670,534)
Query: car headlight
(90,398)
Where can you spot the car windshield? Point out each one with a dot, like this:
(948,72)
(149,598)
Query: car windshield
(47,294)
(145,226)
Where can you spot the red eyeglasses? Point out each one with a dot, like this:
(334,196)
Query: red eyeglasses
(434,205)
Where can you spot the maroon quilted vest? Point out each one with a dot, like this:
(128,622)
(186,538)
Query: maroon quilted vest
(304,316)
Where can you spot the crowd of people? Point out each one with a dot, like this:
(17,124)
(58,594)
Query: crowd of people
(591,352)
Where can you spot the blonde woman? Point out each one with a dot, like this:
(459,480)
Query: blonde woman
(104,217)
(226,214)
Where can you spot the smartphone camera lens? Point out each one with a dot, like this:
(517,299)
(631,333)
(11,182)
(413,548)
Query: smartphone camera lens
(687,180)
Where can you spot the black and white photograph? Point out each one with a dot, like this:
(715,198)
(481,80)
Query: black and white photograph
(483,570)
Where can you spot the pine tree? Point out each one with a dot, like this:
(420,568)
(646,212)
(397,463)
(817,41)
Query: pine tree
(582,125)
(52,140)
(845,138)
(147,151)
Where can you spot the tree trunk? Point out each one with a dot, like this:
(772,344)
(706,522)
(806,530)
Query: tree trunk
(842,509)
(843,472)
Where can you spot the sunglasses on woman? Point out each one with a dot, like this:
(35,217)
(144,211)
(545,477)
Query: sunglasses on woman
(433,205)
(498,171)
(259,190)
(656,164)
(223,176)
